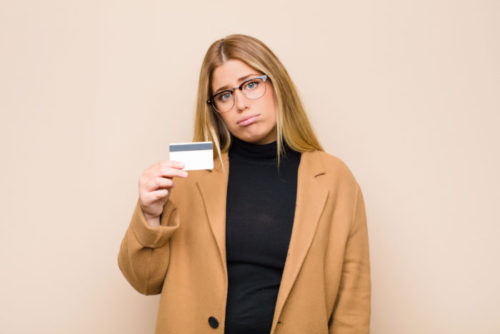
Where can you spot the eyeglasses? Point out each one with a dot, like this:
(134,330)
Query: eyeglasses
(252,88)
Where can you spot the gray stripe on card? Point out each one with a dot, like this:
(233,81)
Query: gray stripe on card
(190,147)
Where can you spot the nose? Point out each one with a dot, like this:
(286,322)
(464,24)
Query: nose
(240,100)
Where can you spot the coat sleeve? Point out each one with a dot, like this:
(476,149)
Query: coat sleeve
(351,314)
(144,252)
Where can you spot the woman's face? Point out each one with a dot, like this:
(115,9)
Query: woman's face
(253,121)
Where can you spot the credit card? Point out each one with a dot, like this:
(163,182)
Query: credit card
(195,155)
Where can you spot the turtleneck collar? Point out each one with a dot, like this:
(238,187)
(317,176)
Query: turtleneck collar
(261,152)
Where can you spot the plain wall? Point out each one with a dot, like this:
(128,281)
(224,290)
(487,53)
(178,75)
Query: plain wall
(407,93)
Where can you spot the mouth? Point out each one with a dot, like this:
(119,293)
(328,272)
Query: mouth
(248,120)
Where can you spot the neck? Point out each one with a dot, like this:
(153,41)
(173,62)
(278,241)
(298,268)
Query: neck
(263,152)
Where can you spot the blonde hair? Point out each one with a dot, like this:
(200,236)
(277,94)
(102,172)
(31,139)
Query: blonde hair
(292,123)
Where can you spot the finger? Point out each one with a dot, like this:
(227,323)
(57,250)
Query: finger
(153,196)
(159,183)
(171,164)
(172,172)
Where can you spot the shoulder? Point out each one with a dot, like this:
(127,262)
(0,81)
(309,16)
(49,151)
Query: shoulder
(333,169)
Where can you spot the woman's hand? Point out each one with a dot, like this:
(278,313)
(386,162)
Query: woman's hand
(155,185)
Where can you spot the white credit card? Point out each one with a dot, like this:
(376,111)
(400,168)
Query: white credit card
(195,155)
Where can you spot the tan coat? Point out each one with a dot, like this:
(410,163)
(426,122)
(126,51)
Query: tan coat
(325,286)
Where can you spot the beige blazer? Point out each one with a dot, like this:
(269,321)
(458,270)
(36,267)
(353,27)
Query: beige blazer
(325,287)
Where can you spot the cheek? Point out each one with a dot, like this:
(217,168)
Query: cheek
(226,118)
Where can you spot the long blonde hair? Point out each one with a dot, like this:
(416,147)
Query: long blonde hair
(292,123)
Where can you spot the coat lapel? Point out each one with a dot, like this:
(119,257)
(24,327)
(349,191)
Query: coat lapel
(213,189)
(311,199)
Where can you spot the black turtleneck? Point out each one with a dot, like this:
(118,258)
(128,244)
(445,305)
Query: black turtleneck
(259,218)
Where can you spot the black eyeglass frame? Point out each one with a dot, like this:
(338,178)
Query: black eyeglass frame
(211,100)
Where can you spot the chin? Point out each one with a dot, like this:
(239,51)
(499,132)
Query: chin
(255,137)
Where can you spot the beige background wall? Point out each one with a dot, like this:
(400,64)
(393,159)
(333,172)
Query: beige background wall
(407,93)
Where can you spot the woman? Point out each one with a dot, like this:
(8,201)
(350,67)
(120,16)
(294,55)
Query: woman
(274,238)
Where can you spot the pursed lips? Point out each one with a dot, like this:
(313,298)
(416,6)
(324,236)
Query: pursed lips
(247,118)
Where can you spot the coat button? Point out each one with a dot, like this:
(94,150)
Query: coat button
(213,322)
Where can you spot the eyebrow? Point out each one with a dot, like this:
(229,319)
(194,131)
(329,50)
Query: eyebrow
(239,80)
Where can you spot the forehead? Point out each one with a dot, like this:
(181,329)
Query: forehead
(229,72)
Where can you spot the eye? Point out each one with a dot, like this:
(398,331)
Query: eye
(251,85)
(223,97)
